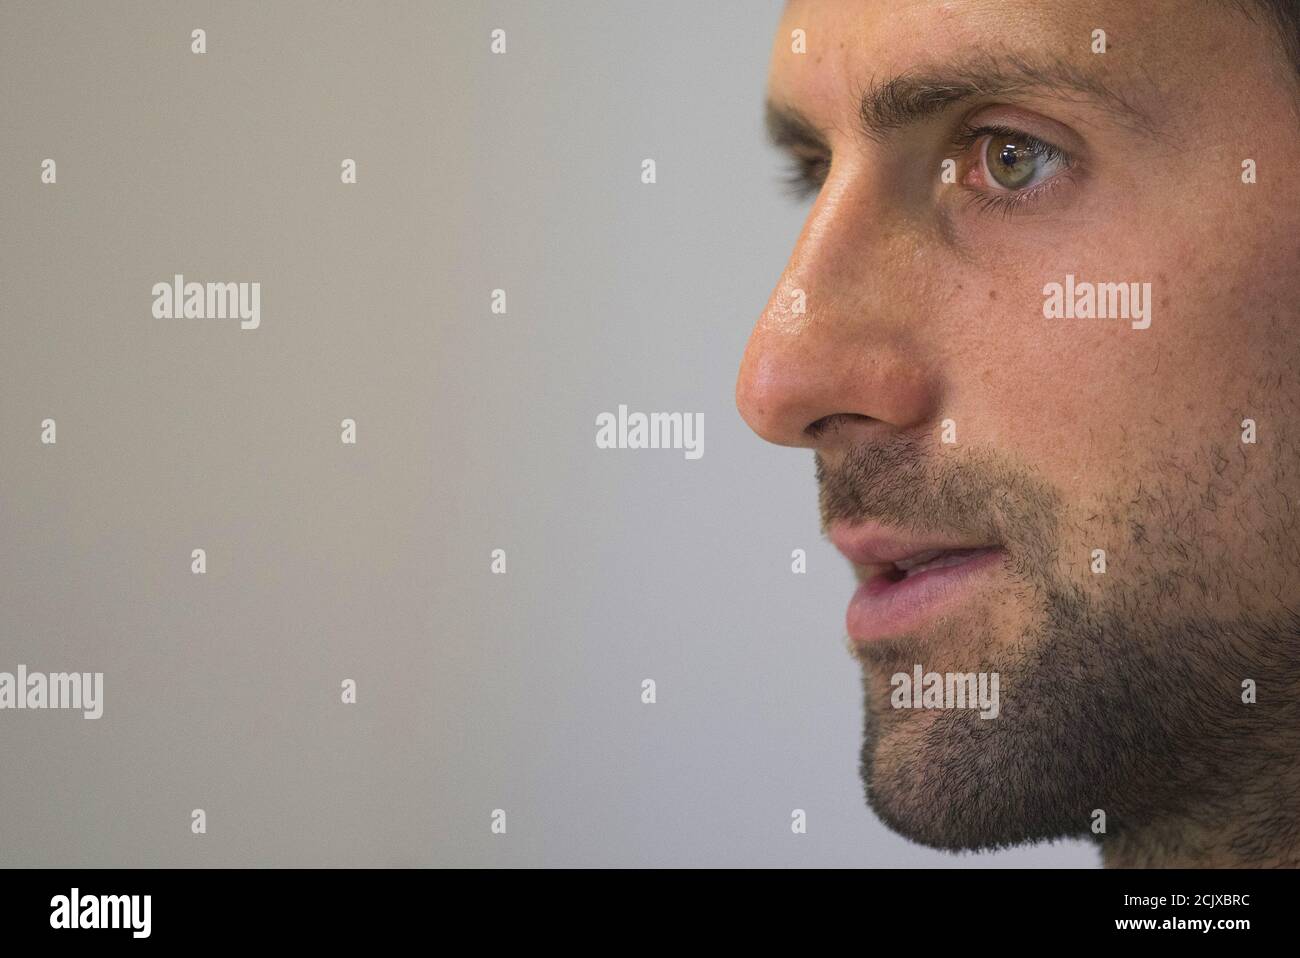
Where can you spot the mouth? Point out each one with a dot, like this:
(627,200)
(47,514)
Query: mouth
(906,581)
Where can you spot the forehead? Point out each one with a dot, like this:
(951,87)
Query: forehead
(850,43)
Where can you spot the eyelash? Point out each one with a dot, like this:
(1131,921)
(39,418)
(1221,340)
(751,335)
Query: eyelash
(805,175)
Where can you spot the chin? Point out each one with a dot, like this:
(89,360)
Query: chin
(953,781)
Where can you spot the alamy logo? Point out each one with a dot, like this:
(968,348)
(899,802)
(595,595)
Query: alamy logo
(57,690)
(1071,300)
(656,430)
(946,690)
(181,300)
(102,911)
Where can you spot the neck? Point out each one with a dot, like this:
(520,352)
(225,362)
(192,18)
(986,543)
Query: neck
(1262,832)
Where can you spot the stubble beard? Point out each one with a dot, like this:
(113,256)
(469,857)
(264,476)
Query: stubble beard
(1121,708)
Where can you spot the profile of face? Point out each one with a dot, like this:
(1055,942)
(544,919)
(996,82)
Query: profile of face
(1040,329)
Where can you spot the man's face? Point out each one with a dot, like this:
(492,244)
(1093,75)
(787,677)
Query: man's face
(958,406)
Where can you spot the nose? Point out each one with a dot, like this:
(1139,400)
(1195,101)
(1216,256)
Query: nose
(842,339)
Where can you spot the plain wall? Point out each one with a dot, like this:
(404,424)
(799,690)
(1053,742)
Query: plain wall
(476,432)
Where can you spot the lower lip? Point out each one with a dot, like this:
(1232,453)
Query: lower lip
(881,608)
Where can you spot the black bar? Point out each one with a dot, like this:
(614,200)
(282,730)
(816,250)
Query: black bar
(872,906)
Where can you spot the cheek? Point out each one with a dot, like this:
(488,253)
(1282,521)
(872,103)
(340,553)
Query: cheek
(1064,394)
(1032,388)
(1140,429)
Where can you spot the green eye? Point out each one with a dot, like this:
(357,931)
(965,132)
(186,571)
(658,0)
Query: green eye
(1014,161)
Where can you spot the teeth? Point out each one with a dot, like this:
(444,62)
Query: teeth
(935,559)
(911,562)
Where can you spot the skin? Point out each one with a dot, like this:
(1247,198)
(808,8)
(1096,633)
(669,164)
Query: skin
(1121,692)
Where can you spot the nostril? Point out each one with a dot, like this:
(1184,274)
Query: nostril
(819,428)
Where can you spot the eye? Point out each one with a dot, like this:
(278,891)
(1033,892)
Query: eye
(1008,161)
(806,173)
(1017,161)
(1007,171)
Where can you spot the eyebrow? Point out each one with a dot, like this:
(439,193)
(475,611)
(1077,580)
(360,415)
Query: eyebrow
(909,98)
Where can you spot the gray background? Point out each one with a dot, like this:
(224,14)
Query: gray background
(476,432)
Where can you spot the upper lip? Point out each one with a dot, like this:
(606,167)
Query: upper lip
(877,548)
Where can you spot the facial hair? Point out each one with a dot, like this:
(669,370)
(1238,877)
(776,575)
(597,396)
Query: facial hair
(1121,707)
